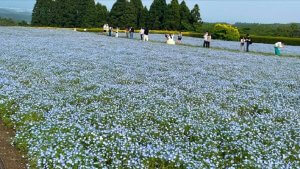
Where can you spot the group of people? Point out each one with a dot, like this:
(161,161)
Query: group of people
(245,42)
(207,39)
(170,38)
(110,30)
(129,31)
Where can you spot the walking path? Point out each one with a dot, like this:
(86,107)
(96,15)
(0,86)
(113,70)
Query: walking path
(200,46)
(10,157)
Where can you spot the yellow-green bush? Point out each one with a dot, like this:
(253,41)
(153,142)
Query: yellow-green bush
(226,32)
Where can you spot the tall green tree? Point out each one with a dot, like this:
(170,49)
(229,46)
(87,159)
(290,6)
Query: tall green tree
(144,19)
(138,7)
(172,17)
(195,15)
(86,13)
(157,14)
(185,17)
(102,14)
(43,13)
(122,14)
(66,14)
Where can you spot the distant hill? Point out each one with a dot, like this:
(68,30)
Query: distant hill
(15,15)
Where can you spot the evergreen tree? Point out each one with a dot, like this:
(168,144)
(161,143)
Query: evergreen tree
(172,18)
(185,17)
(102,14)
(66,14)
(195,15)
(86,13)
(122,14)
(138,6)
(42,13)
(157,14)
(144,19)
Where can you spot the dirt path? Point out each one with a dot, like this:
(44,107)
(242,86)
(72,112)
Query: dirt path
(9,155)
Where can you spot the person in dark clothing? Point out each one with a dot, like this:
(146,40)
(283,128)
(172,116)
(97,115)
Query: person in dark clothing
(179,37)
(248,41)
(131,32)
(146,35)
(110,31)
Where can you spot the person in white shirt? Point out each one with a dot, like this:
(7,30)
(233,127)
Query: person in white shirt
(146,35)
(208,40)
(243,44)
(142,31)
(277,47)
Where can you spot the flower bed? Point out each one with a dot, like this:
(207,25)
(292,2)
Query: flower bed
(83,100)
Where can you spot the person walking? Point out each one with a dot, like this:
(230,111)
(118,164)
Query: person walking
(131,32)
(248,42)
(277,47)
(205,39)
(142,33)
(146,35)
(179,37)
(242,46)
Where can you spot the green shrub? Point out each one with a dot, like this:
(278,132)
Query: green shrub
(226,32)
(273,40)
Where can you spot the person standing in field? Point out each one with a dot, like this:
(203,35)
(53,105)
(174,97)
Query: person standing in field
(127,32)
(179,37)
(248,42)
(117,32)
(110,31)
(142,33)
(242,47)
(104,28)
(277,47)
(146,35)
(170,40)
(205,39)
(208,40)
(131,32)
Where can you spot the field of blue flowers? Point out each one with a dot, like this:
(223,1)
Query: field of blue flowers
(81,100)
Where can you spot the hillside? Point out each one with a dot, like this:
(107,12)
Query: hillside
(15,15)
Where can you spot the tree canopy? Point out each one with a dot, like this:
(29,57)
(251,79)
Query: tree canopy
(85,13)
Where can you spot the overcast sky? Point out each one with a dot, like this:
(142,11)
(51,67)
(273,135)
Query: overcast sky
(253,11)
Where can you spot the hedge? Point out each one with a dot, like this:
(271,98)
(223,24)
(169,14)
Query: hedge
(273,40)
(255,39)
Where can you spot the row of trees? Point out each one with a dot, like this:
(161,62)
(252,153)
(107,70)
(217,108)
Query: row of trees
(11,22)
(85,13)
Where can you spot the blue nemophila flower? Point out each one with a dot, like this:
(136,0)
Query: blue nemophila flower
(80,100)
